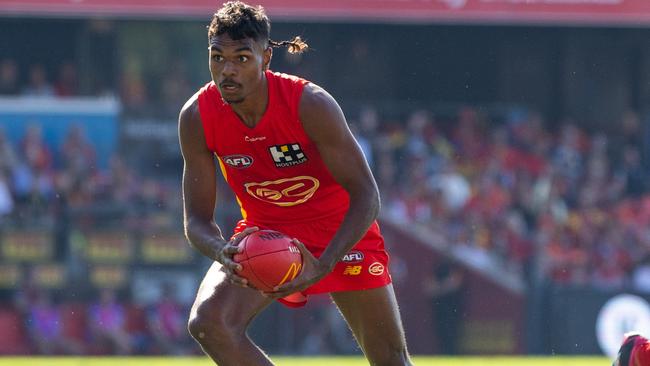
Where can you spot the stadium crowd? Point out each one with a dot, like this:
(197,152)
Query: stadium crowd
(559,204)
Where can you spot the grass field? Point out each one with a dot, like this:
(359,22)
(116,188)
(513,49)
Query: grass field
(306,361)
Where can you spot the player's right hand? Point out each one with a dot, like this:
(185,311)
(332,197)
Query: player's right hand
(225,255)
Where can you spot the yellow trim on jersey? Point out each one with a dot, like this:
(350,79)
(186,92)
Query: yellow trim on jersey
(225,176)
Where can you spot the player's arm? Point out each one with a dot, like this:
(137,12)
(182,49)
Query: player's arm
(199,192)
(325,124)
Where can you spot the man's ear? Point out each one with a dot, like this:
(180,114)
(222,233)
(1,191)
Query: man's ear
(268,54)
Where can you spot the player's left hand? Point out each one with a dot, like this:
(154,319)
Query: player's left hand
(312,272)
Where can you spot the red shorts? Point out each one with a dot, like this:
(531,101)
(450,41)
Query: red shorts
(364,267)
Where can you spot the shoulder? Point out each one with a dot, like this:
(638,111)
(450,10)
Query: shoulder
(191,108)
(190,126)
(286,78)
(320,115)
(316,102)
(190,113)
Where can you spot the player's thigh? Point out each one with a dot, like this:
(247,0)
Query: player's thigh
(373,316)
(220,302)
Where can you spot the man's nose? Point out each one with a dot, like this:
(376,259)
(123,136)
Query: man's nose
(229,69)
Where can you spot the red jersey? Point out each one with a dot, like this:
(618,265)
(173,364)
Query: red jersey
(282,183)
(274,168)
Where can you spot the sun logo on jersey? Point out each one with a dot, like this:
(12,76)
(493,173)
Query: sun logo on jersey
(287,155)
(284,192)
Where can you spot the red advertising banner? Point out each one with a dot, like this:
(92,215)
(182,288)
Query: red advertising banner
(623,12)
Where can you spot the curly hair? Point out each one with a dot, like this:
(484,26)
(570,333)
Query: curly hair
(239,20)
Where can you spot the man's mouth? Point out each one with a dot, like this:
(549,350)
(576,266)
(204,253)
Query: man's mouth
(229,86)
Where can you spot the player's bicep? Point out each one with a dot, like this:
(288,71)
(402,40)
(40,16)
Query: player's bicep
(199,180)
(325,124)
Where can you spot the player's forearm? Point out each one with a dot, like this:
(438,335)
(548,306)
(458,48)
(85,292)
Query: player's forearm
(205,237)
(362,212)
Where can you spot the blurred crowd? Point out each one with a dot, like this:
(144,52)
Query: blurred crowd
(36,82)
(106,325)
(38,181)
(63,190)
(559,204)
(139,98)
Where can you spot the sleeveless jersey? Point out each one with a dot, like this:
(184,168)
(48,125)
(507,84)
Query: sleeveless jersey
(274,169)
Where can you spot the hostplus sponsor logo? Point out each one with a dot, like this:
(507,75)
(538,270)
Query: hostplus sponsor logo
(238,161)
(287,155)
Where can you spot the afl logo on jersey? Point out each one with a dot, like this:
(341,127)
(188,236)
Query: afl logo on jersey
(284,192)
(353,256)
(238,161)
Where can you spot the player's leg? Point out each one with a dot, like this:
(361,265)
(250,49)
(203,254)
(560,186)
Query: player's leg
(374,318)
(220,316)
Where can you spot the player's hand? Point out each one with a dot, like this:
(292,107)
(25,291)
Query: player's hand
(312,272)
(225,257)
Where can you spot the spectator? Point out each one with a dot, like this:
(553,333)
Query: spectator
(631,173)
(45,325)
(77,155)
(445,288)
(38,85)
(9,77)
(107,319)
(7,154)
(167,323)
(34,150)
(6,199)
(67,83)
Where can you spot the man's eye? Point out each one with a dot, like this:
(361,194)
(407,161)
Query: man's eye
(243,58)
(217,58)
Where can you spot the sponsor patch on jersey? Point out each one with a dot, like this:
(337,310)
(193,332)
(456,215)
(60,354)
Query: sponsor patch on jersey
(353,256)
(254,138)
(238,161)
(284,192)
(352,270)
(287,155)
(376,269)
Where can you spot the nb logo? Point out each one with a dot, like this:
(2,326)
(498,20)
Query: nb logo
(352,271)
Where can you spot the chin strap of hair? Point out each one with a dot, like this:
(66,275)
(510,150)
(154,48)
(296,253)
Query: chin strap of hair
(296,45)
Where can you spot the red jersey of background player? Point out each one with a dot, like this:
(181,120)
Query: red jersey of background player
(274,168)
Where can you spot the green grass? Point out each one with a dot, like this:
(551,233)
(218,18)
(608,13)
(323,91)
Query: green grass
(304,361)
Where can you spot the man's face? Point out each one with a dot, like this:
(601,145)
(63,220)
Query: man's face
(237,66)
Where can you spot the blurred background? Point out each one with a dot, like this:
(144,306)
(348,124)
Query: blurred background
(509,140)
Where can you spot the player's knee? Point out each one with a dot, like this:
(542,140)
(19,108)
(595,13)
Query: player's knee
(209,325)
(197,328)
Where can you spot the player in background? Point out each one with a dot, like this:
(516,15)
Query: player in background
(284,147)
(635,351)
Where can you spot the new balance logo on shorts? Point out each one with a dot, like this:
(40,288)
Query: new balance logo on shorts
(287,155)
(352,270)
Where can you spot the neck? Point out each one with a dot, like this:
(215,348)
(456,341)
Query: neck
(252,108)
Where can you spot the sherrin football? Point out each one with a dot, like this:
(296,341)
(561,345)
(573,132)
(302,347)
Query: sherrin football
(268,259)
